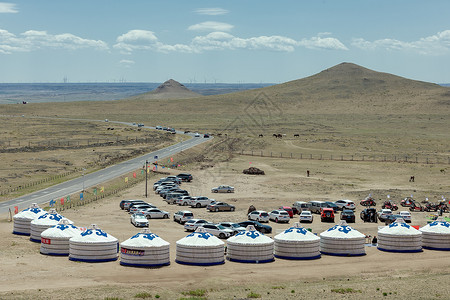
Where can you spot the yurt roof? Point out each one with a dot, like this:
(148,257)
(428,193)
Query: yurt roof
(342,231)
(399,227)
(93,235)
(296,233)
(440,226)
(250,237)
(49,218)
(63,230)
(200,238)
(145,238)
(30,213)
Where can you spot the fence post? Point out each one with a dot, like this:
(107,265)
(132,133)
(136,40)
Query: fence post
(291,154)
(301,155)
(363,157)
(281,154)
(252,152)
(320,156)
(310,156)
(331,157)
(261,154)
(352,157)
(427,160)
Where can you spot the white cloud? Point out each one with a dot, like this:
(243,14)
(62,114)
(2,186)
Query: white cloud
(211,26)
(431,45)
(212,11)
(8,8)
(318,42)
(127,62)
(33,40)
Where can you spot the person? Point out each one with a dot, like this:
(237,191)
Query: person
(374,240)
(307,173)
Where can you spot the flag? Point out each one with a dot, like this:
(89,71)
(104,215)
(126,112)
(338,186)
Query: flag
(81,196)
(142,172)
(102,189)
(148,171)
(68,198)
(52,202)
(62,201)
(154,168)
(134,174)
(171,159)
(126,179)
(95,192)
(16,209)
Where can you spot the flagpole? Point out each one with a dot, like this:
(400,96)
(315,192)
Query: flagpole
(146,166)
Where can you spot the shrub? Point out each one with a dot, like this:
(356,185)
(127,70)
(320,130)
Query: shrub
(253,295)
(143,295)
(345,291)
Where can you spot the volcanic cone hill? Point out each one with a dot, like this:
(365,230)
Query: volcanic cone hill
(170,89)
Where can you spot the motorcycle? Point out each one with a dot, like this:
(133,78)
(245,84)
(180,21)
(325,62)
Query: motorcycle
(390,205)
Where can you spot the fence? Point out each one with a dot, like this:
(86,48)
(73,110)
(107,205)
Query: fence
(351,157)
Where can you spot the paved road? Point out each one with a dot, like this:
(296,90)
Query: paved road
(76,185)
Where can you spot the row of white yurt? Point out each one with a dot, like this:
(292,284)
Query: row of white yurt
(436,235)
(399,237)
(297,243)
(55,240)
(250,246)
(41,223)
(200,248)
(93,245)
(144,249)
(23,219)
(342,240)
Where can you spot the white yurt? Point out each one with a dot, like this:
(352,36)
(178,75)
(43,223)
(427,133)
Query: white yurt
(250,246)
(297,243)
(93,245)
(200,248)
(41,223)
(436,235)
(399,237)
(342,240)
(145,249)
(23,219)
(55,240)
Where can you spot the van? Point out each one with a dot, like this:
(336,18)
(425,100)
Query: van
(301,206)
(317,206)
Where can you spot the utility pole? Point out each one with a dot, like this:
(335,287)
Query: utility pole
(146,166)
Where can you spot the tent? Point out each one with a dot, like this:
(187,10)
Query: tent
(144,249)
(250,246)
(55,240)
(342,240)
(23,219)
(200,248)
(436,235)
(93,245)
(399,237)
(297,243)
(43,222)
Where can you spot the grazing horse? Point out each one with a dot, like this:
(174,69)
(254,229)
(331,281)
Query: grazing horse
(261,135)
(296,135)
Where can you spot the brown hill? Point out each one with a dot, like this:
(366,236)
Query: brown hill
(170,89)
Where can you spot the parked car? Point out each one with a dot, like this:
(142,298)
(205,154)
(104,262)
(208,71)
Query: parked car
(301,206)
(158,127)
(182,216)
(332,205)
(306,216)
(317,206)
(348,215)
(126,203)
(192,224)
(406,215)
(185,177)
(201,201)
(218,230)
(139,220)
(345,204)
(138,207)
(156,213)
(220,206)
(258,226)
(369,215)
(206,135)
(383,213)
(259,215)
(184,200)
(391,219)
(279,216)
(289,210)
(327,215)
(223,189)
(172,197)
(233,226)
(197,134)
(178,191)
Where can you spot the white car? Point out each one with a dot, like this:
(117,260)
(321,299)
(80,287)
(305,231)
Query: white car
(218,230)
(259,215)
(345,204)
(406,215)
(201,201)
(233,226)
(192,224)
(306,216)
(184,201)
(383,213)
(197,134)
(223,189)
(139,220)
(156,213)
(182,216)
(279,216)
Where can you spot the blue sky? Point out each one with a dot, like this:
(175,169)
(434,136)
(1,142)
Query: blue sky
(220,41)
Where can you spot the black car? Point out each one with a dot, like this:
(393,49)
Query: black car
(348,215)
(258,226)
(185,177)
(122,203)
(332,205)
(128,204)
(391,219)
(206,135)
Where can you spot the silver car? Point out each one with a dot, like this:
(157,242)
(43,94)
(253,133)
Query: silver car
(156,213)
(223,189)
